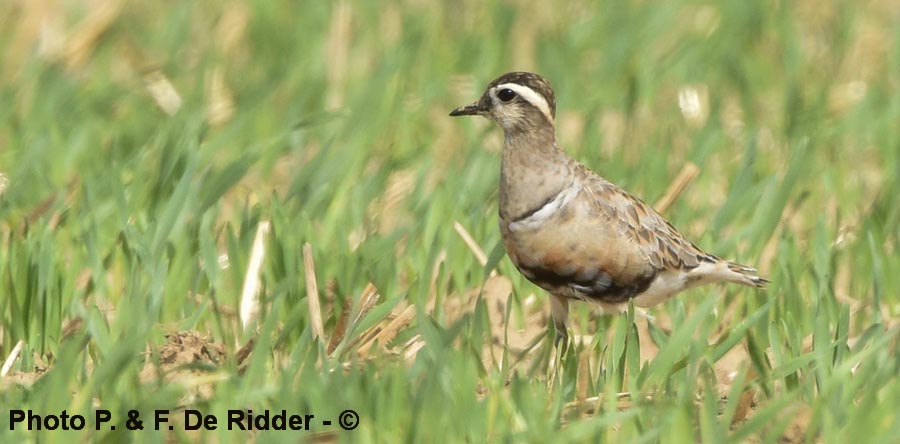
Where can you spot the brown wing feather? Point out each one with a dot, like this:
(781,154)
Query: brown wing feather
(660,244)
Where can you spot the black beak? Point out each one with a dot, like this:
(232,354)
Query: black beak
(470,110)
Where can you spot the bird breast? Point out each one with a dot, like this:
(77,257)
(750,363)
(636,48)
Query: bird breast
(569,247)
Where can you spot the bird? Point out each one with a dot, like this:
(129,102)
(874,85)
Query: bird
(572,232)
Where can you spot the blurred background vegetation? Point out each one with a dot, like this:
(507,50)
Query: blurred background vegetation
(161,162)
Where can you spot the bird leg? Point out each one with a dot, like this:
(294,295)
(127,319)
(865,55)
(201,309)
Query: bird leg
(559,310)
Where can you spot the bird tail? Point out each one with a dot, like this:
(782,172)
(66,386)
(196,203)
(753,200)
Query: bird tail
(744,275)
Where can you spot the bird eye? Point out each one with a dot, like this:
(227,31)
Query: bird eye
(506,94)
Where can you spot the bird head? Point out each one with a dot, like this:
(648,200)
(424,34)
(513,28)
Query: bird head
(517,101)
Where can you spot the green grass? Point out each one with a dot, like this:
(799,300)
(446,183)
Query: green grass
(116,218)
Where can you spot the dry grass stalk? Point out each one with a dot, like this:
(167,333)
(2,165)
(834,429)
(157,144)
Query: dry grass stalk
(219,99)
(368,298)
(84,39)
(588,406)
(412,347)
(389,332)
(470,242)
(473,246)
(312,294)
(340,329)
(250,305)
(684,178)
(163,92)
(8,363)
(433,284)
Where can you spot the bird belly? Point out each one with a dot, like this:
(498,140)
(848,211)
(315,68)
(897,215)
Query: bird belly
(578,262)
(665,285)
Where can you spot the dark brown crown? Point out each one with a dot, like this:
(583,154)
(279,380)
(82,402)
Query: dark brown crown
(537,83)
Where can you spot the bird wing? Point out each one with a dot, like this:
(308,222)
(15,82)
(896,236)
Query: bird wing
(645,230)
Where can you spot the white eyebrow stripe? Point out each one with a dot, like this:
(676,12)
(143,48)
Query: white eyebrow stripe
(531,96)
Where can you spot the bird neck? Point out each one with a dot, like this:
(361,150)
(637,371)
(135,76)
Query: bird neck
(532,170)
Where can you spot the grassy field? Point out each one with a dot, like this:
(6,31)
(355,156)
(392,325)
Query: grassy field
(263,205)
